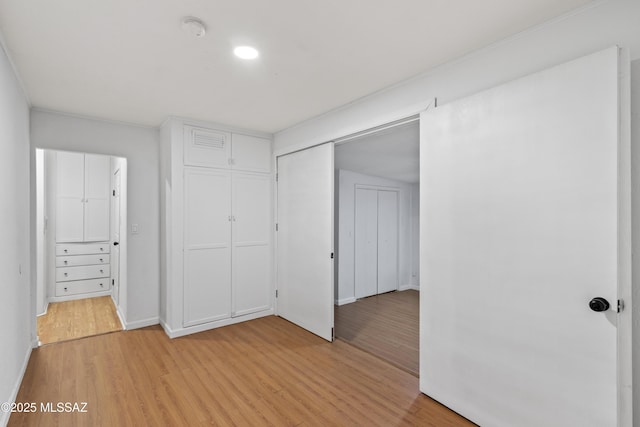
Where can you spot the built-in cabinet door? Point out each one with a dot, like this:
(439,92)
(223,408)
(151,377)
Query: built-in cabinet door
(69,197)
(366,242)
(387,241)
(206,147)
(251,258)
(250,153)
(97,179)
(207,246)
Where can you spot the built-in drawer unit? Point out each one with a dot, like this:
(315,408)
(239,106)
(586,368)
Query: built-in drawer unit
(81,287)
(82,268)
(82,272)
(75,260)
(82,248)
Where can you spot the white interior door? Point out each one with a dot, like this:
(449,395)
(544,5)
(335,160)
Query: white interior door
(207,245)
(519,231)
(115,250)
(251,236)
(305,239)
(97,189)
(387,256)
(366,242)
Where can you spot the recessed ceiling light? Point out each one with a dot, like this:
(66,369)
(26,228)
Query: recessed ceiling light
(194,26)
(246,52)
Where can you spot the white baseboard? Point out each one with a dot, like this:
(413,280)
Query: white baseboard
(175,333)
(4,416)
(137,324)
(123,322)
(409,286)
(46,308)
(344,301)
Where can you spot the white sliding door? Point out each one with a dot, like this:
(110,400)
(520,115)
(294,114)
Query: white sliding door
(366,242)
(387,241)
(305,239)
(520,212)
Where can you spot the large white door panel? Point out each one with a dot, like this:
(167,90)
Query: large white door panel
(366,242)
(251,197)
(207,208)
(519,220)
(305,239)
(69,197)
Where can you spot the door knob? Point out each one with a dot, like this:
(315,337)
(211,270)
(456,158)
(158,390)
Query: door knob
(116,243)
(599,304)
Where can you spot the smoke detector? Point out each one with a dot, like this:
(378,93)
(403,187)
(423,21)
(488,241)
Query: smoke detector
(194,26)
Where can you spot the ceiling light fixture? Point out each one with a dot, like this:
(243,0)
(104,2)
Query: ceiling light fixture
(246,52)
(194,26)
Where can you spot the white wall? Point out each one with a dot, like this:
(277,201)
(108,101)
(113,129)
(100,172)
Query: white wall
(594,28)
(16,307)
(346,182)
(139,145)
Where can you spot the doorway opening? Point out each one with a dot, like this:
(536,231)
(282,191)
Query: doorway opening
(377,277)
(81,244)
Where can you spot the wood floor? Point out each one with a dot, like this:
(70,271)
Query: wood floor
(78,319)
(262,372)
(385,325)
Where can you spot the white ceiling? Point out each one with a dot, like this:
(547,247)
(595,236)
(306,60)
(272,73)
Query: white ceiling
(392,153)
(130,61)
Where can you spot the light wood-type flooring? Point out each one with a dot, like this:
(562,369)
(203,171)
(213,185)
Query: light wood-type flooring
(262,372)
(385,325)
(78,319)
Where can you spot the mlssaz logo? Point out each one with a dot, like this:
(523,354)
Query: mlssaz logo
(63,407)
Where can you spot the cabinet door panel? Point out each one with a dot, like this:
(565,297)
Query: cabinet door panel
(207,246)
(69,197)
(207,290)
(252,288)
(251,153)
(97,174)
(206,147)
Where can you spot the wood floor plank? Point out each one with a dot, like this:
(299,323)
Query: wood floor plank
(386,325)
(78,319)
(265,372)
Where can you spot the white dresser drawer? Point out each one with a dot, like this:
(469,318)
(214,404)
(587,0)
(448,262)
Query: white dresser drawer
(81,287)
(65,274)
(82,248)
(75,260)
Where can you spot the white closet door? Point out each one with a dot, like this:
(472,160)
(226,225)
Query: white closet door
(387,256)
(97,172)
(366,242)
(69,197)
(252,228)
(305,239)
(207,246)
(250,153)
(519,230)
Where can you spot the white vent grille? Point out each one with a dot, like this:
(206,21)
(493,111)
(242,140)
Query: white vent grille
(210,140)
